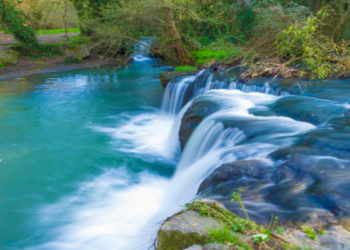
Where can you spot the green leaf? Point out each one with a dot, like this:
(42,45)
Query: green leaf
(321,232)
(280,230)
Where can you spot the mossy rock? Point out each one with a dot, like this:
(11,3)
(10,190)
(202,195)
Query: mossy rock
(81,51)
(8,57)
(185,230)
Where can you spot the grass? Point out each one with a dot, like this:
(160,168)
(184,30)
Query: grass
(185,68)
(265,237)
(226,236)
(57,31)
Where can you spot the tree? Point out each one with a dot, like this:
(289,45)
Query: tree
(13,20)
(335,22)
(177,43)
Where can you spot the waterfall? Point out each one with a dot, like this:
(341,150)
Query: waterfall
(141,52)
(174,95)
(266,89)
(178,93)
(173,144)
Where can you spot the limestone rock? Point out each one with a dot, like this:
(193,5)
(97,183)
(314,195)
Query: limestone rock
(193,117)
(81,51)
(335,238)
(185,230)
(8,57)
(256,169)
(195,247)
(216,246)
(166,77)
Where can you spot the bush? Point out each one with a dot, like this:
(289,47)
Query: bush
(185,68)
(207,55)
(42,50)
(72,60)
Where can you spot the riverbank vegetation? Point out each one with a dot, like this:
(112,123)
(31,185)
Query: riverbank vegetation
(265,37)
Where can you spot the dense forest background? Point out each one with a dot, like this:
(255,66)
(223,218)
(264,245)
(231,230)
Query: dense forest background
(269,37)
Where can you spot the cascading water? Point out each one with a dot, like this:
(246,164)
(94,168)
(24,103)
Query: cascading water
(174,95)
(133,181)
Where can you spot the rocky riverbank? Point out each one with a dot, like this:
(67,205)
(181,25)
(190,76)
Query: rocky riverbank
(304,181)
(189,230)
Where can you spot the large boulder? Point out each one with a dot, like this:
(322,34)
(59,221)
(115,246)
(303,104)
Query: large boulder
(8,57)
(185,230)
(167,76)
(258,169)
(312,110)
(82,51)
(193,117)
(335,238)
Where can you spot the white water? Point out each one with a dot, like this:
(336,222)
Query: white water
(174,95)
(117,210)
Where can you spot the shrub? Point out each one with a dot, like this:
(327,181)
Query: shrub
(222,55)
(43,50)
(185,68)
(72,60)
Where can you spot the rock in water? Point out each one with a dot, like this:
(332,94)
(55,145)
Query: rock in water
(82,51)
(166,77)
(193,117)
(185,230)
(258,169)
(8,57)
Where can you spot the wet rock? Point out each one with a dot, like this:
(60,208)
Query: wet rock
(283,153)
(328,137)
(216,246)
(193,117)
(335,238)
(258,169)
(313,182)
(312,110)
(185,230)
(166,77)
(8,57)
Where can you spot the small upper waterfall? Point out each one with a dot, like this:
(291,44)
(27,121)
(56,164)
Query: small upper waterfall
(141,51)
(178,93)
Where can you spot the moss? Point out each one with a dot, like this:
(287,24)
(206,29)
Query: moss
(177,240)
(8,57)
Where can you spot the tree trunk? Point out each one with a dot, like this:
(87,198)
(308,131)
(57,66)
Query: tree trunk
(178,46)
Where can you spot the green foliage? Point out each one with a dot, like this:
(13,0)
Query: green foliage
(233,223)
(226,236)
(310,232)
(303,42)
(185,68)
(75,41)
(42,50)
(72,60)
(14,21)
(57,31)
(294,247)
(207,55)
(2,66)
(237,196)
